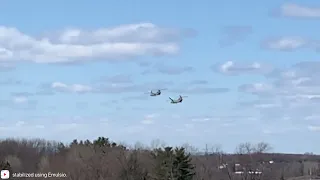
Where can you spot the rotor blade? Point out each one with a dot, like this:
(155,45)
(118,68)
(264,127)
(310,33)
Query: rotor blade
(163,89)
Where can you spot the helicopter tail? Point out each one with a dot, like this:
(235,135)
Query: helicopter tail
(171,99)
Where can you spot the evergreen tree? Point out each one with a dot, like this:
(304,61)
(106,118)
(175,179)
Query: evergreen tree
(114,144)
(87,142)
(183,168)
(164,163)
(102,142)
(81,142)
(5,165)
(173,164)
(282,177)
(74,142)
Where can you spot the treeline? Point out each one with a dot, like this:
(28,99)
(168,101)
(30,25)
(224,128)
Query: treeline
(103,159)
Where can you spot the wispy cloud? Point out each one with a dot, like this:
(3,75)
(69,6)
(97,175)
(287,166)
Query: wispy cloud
(256,88)
(292,92)
(77,88)
(299,11)
(149,119)
(20,99)
(232,68)
(234,34)
(167,69)
(198,82)
(136,97)
(19,102)
(199,90)
(314,128)
(290,43)
(11,82)
(106,87)
(5,66)
(119,78)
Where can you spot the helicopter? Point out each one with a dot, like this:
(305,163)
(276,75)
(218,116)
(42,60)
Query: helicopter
(179,100)
(157,93)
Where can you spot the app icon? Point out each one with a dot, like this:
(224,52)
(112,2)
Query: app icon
(5,174)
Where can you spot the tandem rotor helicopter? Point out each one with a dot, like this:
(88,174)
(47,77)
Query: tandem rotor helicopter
(157,93)
(173,101)
(176,101)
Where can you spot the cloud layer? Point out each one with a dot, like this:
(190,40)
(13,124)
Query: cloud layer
(291,96)
(74,45)
(233,68)
(299,11)
(291,43)
(106,87)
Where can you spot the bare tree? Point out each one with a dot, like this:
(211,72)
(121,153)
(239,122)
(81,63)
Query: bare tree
(131,167)
(251,160)
(103,159)
(14,162)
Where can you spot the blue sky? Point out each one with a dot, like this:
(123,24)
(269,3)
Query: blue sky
(71,69)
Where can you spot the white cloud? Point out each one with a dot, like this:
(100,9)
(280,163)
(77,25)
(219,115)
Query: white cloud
(299,81)
(119,78)
(286,43)
(104,120)
(134,129)
(6,66)
(292,93)
(235,34)
(291,43)
(167,69)
(20,99)
(199,90)
(150,116)
(186,128)
(39,126)
(189,126)
(108,87)
(175,116)
(77,88)
(232,68)
(279,130)
(313,117)
(11,82)
(267,105)
(20,123)
(149,119)
(314,128)
(295,10)
(256,88)
(173,70)
(197,82)
(67,126)
(205,119)
(73,45)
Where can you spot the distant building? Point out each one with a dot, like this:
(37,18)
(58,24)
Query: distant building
(311,168)
(305,167)
(305,178)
